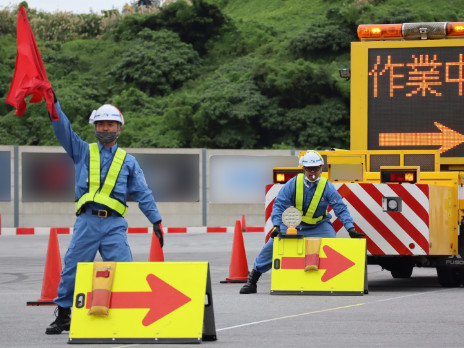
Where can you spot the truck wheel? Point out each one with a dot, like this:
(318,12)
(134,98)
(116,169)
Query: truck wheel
(401,272)
(448,277)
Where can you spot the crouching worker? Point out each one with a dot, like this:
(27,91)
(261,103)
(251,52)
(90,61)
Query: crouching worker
(311,194)
(104,175)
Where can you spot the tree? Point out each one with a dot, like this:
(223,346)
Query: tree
(196,24)
(156,62)
(317,126)
(231,109)
(294,84)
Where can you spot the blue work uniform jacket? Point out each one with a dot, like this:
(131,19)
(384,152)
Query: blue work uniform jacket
(286,198)
(130,180)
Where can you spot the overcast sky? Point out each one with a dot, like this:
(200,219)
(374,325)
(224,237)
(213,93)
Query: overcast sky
(76,6)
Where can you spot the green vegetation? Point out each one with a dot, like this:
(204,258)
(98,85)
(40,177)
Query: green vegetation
(207,73)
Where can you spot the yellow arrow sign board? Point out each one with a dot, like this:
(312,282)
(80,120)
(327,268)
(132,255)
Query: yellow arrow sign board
(151,302)
(341,267)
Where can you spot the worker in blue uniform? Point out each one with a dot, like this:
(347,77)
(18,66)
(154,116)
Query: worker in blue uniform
(311,194)
(104,175)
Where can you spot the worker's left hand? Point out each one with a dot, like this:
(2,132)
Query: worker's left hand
(158,230)
(355,234)
(275,232)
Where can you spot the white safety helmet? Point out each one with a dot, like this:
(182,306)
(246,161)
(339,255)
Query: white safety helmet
(311,159)
(106,112)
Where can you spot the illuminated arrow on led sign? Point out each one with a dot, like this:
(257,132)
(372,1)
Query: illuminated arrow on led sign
(447,139)
(334,264)
(161,300)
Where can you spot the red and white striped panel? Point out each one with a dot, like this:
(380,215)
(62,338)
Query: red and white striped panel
(389,233)
(271,194)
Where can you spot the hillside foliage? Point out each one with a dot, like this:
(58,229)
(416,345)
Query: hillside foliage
(204,74)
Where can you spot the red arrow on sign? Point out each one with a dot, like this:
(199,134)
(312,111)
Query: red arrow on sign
(161,300)
(334,264)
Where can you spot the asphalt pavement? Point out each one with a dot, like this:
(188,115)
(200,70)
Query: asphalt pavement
(413,312)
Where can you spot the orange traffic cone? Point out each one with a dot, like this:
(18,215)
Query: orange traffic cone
(52,274)
(156,252)
(244,228)
(238,269)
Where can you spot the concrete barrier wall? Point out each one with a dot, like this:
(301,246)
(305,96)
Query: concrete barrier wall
(204,212)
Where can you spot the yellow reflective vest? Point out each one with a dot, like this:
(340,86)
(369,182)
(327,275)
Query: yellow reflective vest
(307,216)
(99,194)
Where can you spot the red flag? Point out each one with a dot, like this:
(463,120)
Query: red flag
(30,77)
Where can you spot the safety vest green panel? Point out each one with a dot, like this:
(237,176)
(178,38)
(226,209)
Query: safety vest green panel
(102,195)
(307,216)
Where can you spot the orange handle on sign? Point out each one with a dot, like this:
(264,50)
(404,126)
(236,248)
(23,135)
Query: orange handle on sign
(102,283)
(312,248)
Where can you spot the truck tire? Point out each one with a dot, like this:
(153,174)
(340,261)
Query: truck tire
(401,272)
(449,277)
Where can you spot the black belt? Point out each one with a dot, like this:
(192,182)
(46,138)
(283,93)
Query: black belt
(101,213)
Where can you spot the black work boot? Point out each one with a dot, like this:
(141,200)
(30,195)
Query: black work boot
(62,322)
(250,287)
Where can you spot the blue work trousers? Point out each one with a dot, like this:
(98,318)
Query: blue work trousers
(91,234)
(263,262)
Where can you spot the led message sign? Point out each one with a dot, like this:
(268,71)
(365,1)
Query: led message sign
(415,98)
(413,94)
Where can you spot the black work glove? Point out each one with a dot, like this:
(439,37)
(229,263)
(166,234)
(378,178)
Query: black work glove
(355,234)
(157,229)
(275,232)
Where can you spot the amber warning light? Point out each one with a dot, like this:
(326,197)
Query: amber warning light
(282,176)
(379,31)
(398,176)
(424,30)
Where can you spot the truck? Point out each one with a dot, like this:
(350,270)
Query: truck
(403,176)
